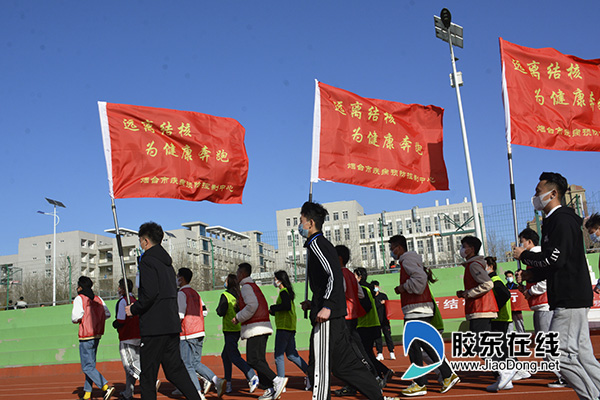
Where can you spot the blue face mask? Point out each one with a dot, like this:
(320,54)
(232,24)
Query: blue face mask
(303,232)
(394,257)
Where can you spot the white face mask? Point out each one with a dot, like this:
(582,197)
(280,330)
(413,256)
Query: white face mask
(538,203)
(463,253)
(276,283)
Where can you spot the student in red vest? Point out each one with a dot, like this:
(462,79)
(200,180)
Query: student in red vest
(90,312)
(355,303)
(129,339)
(418,305)
(256,328)
(192,335)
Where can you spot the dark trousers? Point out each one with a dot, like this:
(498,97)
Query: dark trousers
(480,325)
(357,345)
(368,337)
(329,352)
(164,350)
(256,348)
(387,334)
(415,355)
(231,355)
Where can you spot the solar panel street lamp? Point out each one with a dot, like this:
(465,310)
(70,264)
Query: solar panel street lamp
(54,203)
(453,34)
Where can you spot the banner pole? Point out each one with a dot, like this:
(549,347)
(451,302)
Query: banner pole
(513,196)
(120,248)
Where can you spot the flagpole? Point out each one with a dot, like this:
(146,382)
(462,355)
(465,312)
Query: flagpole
(513,196)
(120,248)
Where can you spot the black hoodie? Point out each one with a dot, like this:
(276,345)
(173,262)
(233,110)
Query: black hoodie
(157,303)
(562,261)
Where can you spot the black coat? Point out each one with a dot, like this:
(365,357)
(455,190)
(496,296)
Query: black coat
(157,302)
(562,261)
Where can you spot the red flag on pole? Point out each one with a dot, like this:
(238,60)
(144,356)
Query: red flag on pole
(551,100)
(377,143)
(156,152)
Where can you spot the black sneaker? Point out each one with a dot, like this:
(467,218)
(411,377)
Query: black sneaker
(386,377)
(559,383)
(345,391)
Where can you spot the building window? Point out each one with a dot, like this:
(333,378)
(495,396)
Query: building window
(92,244)
(363,252)
(336,216)
(260,249)
(261,260)
(440,244)
(48,245)
(295,221)
(346,233)
(371,231)
(205,245)
(361,231)
(418,227)
(420,246)
(206,259)
(427,221)
(289,239)
(457,218)
(344,214)
(288,222)
(83,243)
(409,226)
(429,245)
(436,221)
(48,259)
(328,234)
(390,229)
(372,252)
(399,226)
(466,217)
(409,244)
(258,237)
(337,235)
(327,218)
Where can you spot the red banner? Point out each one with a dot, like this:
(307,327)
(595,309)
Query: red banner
(377,143)
(156,152)
(551,100)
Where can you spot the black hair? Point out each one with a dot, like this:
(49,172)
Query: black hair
(152,231)
(343,252)
(247,268)
(555,181)
(314,211)
(508,272)
(530,234)
(593,221)
(398,240)
(84,282)
(233,285)
(491,261)
(375,283)
(362,274)
(129,284)
(283,277)
(186,274)
(472,241)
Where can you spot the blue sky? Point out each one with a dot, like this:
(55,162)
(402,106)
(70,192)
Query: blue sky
(256,61)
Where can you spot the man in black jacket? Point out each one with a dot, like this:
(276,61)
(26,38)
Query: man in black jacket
(329,339)
(563,263)
(159,318)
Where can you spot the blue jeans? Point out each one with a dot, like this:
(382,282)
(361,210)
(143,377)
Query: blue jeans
(191,354)
(285,342)
(87,355)
(231,355)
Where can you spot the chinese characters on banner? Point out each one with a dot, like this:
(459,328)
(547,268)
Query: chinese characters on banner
(156,152)
(551,100)
(377,143)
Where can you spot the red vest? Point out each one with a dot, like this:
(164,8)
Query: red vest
(262,312)
(352,302)
(536,300)
(131,325)
(412,298)
(193,322)
(92,323)
(482,304)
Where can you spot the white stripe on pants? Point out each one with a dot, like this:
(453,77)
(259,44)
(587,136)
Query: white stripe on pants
(130,357)
(321,350)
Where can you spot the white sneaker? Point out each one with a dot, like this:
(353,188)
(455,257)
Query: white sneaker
(176,392)
(206,384)
(505,378)
(253,383)
(267,395)
(279,386)
(522,374)
(392,356)
(228,388)
(379,357)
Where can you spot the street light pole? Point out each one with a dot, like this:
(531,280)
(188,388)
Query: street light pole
(56,220)
(449,32)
